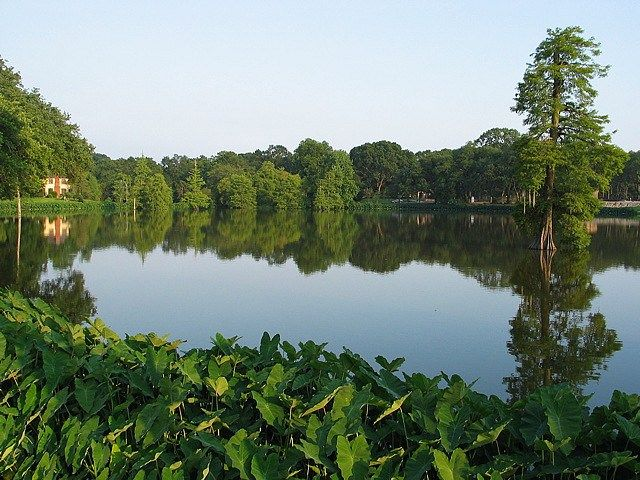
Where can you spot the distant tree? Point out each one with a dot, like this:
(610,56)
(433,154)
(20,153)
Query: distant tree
(86,187)
(409,179)
(626,186)
(150,192)
(36,139)
(157,196)
(279,156)
(122,187)
(337,188)
(319,164)
(497,137)
(194,197)
(277,188)
(19,175)
(441,174)
(557,98)
(178,168)
(237,191)
(378,163)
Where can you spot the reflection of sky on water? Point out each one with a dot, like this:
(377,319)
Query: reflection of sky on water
(432,315)
(619,300)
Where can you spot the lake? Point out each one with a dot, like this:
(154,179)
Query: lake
(456,293)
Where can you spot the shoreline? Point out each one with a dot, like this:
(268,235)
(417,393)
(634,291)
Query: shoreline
(48,206)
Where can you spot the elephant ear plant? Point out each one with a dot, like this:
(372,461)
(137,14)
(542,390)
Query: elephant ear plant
(78,401)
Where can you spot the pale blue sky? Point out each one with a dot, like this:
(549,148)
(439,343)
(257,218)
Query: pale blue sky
(198,77)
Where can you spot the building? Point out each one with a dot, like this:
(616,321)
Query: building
(58,185)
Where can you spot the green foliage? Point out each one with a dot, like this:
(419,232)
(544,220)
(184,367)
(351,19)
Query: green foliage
(626,186)
(237,191)
(337,188)
(80,402)
(36,139)
(580,170)
(194,197)
(150,192)
(277,188)
(567,158)
(329,180)
(53,206)
(122,188)
(378,163)
(86,187)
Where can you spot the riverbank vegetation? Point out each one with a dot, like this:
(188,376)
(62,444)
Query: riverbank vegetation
(52,206)
(78,401)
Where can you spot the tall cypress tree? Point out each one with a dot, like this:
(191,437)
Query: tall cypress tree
(565,132)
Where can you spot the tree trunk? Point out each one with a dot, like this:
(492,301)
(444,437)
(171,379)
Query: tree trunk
(545,242)
(546,227)
(19,201)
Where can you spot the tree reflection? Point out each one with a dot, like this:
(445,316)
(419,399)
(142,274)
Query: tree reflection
(31,252)
(554,338)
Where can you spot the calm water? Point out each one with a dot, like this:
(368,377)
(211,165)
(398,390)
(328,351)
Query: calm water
(452,293)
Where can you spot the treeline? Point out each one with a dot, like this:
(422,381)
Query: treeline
(314,176)
(317,176)
(38,140)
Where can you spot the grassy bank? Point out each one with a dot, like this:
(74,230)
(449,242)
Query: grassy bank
(80,402)
(52,206)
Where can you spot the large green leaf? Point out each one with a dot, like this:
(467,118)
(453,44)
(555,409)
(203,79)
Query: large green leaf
(265,467)
(454,468)
(188,366)
(240,450)
(321,404)
(451,424)
(85,394)
(487,437)
(353,457)
(272,413)
(564,413)
(342,399)
(419,463)
(534,422)
(630,429)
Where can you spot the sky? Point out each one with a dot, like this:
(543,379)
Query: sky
(188,77)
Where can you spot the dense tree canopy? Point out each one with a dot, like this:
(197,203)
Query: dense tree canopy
(237,191)
(277,188)
(626,186)
(37,140)
(378,163)
(195,197)
(329,180)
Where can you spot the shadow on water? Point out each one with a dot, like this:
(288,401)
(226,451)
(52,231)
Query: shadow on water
(554,337)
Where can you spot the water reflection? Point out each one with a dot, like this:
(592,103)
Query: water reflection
(554,335)
(554,338)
